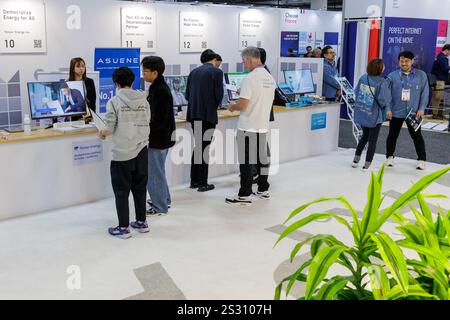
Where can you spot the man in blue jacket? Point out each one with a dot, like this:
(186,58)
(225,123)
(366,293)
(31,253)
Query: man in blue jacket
(331,88)
(204,93)
(441,69)
(409,93)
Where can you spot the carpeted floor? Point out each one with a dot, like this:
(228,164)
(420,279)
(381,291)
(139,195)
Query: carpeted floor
(437,144)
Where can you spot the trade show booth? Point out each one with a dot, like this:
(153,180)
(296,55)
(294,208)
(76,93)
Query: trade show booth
(56,167)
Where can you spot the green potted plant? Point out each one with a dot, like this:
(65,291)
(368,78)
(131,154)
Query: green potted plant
(376,266)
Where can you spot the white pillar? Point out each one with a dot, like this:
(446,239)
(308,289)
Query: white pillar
(319,4)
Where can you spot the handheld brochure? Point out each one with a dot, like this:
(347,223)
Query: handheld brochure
(413,121)
(99,123)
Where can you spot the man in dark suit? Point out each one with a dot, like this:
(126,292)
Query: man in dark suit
(204,93)
(72,99)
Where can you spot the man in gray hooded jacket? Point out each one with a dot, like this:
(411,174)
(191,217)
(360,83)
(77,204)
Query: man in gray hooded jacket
(127,120)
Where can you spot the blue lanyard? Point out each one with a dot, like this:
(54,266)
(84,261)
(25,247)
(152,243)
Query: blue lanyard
(410,78)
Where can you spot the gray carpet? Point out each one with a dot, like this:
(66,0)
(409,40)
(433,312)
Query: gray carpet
(437,144)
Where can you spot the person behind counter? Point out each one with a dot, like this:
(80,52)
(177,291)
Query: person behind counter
(77,72)
(331,88)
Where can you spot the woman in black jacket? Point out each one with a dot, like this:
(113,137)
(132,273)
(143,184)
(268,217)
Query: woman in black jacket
(162,126)
(77,72)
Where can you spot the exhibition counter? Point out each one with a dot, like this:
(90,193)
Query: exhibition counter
(49,169)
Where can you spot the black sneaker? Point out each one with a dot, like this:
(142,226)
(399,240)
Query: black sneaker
(150,203)
(206,188)
(243,201)
(194,185)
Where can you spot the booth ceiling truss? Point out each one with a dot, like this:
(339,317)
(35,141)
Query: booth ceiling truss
(333,5)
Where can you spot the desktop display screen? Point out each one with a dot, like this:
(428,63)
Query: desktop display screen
(56,99)
(234,79)
(177,85)
(300,81)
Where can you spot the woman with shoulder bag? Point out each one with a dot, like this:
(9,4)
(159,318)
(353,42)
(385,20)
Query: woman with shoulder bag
(371,95)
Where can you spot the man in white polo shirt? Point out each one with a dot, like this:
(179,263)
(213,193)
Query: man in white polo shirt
(255,102)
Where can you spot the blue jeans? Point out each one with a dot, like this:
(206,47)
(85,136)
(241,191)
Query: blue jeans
(157,183)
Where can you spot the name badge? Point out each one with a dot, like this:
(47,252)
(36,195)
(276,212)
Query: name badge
(406,95)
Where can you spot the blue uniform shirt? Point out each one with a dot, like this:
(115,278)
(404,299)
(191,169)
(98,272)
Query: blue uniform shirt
(371,95)
(330,84)
(417,82)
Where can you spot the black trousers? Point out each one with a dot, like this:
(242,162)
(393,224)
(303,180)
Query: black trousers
(252,150)
(200,154)
(131,176)
(370,135)
(395,127)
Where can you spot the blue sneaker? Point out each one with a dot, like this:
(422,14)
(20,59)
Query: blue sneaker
(123,233)
(141,227)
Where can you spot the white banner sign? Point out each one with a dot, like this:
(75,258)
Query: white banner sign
(250,29)
(193,32)
(139,28)
(87,152)
(22,27)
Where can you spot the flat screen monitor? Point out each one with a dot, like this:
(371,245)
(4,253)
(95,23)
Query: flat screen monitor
(234,80)
(300,81)
(177,85)
(56,99)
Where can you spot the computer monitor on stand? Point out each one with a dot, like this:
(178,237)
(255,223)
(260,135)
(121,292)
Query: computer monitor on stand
(299,83)
(56,99)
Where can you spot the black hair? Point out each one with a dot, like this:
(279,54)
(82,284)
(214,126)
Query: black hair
(446,47)
(308,47)
(64,85)
(123,76)
(263,54)
(207,56)
(325,50)
(218,57)
(406,54)
(154,63)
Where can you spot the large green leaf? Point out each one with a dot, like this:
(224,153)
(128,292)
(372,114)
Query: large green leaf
(329,239)
(297,276)
(446,224)
(373,203)
(425,209)
(379,282)
(424,223)
(436,255)
(309,219)
(331,289)
(412,233)
(319,268)
(441,282)
(279,288)
(356,228)
(393,258)
(409,195)
(414,291)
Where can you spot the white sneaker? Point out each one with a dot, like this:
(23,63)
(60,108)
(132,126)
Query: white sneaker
(421,165)
(354,164)
(364,169)
(243,201)
(263,195)
(389,162)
